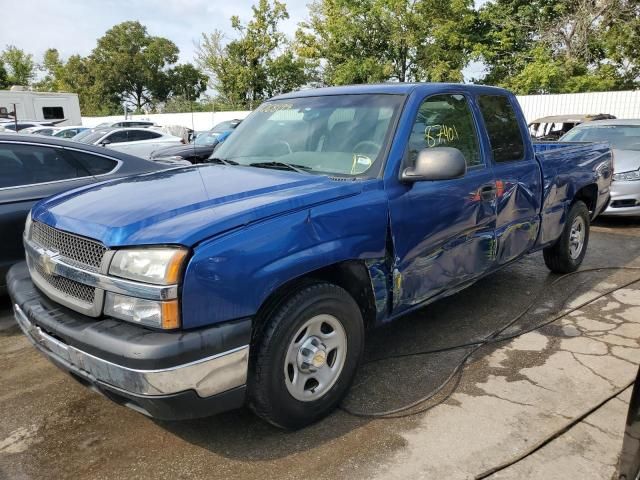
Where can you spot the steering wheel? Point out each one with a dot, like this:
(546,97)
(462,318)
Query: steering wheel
(367,143)
(286,145)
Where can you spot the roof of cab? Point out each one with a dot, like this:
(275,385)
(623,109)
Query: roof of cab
(385,89)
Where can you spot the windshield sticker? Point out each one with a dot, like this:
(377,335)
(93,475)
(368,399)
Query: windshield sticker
(361,163)
(442,134)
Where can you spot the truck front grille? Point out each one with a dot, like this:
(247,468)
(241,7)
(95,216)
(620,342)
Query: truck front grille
(82,252)
(74,289)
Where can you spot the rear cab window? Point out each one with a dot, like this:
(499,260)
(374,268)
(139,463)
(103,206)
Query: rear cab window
(502,127)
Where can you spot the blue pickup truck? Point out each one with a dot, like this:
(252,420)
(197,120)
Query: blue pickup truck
(253,279)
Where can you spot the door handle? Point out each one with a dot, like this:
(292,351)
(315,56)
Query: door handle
(488,192)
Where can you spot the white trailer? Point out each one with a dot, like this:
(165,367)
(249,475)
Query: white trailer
(59,108)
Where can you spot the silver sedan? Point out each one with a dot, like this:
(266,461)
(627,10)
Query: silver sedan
(624,138)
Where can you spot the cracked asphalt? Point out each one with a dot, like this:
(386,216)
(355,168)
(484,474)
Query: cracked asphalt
(509,396)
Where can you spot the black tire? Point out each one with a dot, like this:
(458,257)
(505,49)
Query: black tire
(558,257)
(268,395)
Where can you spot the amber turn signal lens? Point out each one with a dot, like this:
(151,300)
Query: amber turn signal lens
(170,315)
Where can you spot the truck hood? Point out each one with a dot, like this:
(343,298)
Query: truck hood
(625,160)
(185,205)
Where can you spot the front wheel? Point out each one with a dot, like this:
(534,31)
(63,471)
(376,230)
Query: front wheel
(306,356)
(566,255)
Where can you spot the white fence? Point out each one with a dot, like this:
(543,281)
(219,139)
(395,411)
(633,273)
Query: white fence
(620,104)
(196,120)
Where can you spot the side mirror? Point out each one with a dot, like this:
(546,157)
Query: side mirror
(105,142)
(438,163)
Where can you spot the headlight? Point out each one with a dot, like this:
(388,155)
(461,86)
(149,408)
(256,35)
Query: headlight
(627,176)
(149,313)
(27,225)
(160,266)
(175,157)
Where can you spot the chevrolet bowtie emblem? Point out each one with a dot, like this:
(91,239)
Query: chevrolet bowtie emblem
(47,263)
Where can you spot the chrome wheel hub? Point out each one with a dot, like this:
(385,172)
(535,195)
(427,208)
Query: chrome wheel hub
(576,237)
(315,358)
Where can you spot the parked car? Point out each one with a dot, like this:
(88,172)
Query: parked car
(126,123)
(69,132)
(328,211)
(35,168)
(553,127)
(201,148)
(140,142)
(624,138)
(24,124)
(46,131)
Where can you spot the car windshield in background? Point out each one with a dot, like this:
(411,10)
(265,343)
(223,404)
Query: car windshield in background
(83,134)
(92,137)
(206,138)
(621,137)
(335,135)
(224,126)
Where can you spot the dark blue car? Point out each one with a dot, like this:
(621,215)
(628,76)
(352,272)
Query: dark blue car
(252,280)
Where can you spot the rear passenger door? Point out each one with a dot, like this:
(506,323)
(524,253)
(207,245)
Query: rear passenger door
(517,175)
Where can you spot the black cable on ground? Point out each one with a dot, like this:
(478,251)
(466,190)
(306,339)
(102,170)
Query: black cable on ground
(493,337)
(568,426)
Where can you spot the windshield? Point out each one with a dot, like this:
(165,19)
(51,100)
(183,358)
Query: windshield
(224,126)
(621,137)
(83,134)
(336,135)
(92,137)
(206,138)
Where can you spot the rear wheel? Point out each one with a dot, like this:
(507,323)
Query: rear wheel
(306,356)
(566,255)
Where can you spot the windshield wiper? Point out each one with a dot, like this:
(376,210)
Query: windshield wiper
(282,166)
(221,161)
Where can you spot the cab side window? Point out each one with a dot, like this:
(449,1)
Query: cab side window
(445,121)
(502,127)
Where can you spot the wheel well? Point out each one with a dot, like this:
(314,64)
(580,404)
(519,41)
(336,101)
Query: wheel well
(589,195)
(352,275)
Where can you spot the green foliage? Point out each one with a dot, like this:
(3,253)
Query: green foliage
(366,41)
(557,46)
(132,64)
(51,67)
(19,65)
(4,77)
(255,65)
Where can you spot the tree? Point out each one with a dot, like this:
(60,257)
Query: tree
(187,82)
(21,68)
(4,77)
(52,68)
(256,65)
(555,46)
(132,65)
(378,40)
(80,76)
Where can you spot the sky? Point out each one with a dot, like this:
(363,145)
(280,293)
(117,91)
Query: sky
(73,26)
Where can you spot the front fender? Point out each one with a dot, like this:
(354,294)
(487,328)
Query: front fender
(231,276)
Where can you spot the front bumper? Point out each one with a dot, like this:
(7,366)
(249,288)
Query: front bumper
(625,199)
(166,375)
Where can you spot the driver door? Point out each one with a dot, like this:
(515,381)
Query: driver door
(443,231)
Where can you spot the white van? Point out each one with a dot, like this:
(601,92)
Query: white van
(58,108)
